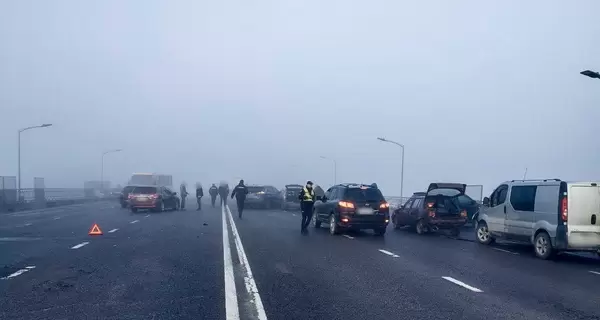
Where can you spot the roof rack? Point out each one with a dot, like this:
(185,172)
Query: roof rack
(532,180)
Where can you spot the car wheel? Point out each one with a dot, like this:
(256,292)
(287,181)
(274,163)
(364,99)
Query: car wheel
(396,225)
(333,225)
(134,210)
(454,232)
(421,228)
(379,231)
(316,222)
(543,246)
(176,207)
(482,233)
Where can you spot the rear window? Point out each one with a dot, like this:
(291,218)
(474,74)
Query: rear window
(465,201)
(367,194)
(256,189)
(128,189)
(444,192)
(144,190)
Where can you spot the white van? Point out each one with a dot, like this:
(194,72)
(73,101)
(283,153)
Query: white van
(551,214)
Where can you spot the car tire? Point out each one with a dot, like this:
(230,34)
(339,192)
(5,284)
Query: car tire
(421,227)
(134,210)
(543,246)
(160,207)
(334,229)
(316,222)
(396,225)
(482,234)
(176,207)
(454,232)
(379,232)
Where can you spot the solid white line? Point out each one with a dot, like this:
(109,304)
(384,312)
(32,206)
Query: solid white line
(18,273)
(79,245)
(594,272)
(462,284)
(135,221)
(349,237)
(502,250)
(248,278)
(113,230)
(389,253)
(231,304)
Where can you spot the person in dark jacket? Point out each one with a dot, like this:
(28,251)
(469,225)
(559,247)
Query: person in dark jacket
(183,193)
(213,191)
(223,192)
(199,195)
(240,191)
(307,201)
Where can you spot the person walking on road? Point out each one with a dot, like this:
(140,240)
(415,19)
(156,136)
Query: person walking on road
(223,192)
(307,201)
(213,191)
(199,195)
(183,193)
(240,191)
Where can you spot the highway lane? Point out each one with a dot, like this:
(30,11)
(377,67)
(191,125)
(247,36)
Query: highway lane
(185,265)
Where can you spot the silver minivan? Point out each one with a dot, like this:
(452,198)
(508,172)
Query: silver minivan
(552,215)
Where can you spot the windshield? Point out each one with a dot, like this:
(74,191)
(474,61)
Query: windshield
(368,194)
(128,189)
(465,201)
(144,190)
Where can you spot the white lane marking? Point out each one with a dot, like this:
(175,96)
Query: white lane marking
(56,218)
(27,224)
(349,237)
(502,250)
(147,216)
(231,304)
(595,272)
(80,245)
(294,214)
(113,230)
(135,221)
(462,284)
(389,253)
(251,287)
(18,273)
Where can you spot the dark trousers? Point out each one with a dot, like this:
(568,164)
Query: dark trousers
(212,200)
(223,200)
(199,199)
(240,205)
(307,212)
(182,203)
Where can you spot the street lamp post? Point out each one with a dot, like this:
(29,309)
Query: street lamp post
(334,168)
(19,155)
(402,168)
(591,74)
(102,169)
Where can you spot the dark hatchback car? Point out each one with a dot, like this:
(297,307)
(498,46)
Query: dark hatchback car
(291,198)
(153,198)
(352,207)
(264,197)
(436,209)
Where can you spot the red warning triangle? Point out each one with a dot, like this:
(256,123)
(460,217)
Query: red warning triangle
(95,231)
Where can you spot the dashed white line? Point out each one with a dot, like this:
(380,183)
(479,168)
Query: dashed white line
(80,245)
(231,304)
(389,253)
(113,230)
(56,218)
(349,237)
(146,216)
(18,273)
(251,287)
(135,221)
(27,224)
(595,272)
(502,250)
(462,284)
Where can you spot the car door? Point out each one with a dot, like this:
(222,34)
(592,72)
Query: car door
(415,210)
(320,205)
(520,213)
(167,196)
(496,212)
(403,212)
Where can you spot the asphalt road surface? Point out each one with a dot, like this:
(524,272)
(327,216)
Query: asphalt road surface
(211,265)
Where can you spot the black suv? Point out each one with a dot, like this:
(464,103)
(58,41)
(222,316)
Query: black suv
(265,197)
(352,206)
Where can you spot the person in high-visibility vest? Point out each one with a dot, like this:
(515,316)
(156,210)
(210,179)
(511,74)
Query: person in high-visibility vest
(307,201)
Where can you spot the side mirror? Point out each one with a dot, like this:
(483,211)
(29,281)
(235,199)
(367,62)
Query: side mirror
(486,202)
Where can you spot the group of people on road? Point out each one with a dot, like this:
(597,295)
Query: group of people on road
(307,199)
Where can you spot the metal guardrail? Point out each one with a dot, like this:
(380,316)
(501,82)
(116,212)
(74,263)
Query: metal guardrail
(49,197)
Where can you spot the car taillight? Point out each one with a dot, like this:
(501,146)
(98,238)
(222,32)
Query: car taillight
(346,204)
(153,196)
(430,205)
(564,211)
(463,213)
(384,205)
(432,213)
(130,197)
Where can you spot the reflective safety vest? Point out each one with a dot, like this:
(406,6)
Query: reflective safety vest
(308,195)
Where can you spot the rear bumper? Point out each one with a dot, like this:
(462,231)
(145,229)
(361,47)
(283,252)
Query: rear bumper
(447,223)
(143,205)
(354,222)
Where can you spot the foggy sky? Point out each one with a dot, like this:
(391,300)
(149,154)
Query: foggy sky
(209,90)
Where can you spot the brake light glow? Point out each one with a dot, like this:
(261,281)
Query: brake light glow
(260,192)
(387,220)
(130,197)
(384,205)
(432,214)
(345,219)
(153,196)
(346,204)
(564,205)
(430,205)
(463,214)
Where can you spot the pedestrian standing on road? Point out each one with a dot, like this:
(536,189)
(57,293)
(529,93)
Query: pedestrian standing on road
(183,192)
(223,192)
(213,191)
(240,191)
(199,195)
(307,201)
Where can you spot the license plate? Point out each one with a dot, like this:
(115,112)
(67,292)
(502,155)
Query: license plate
(365,211)
(142,199)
